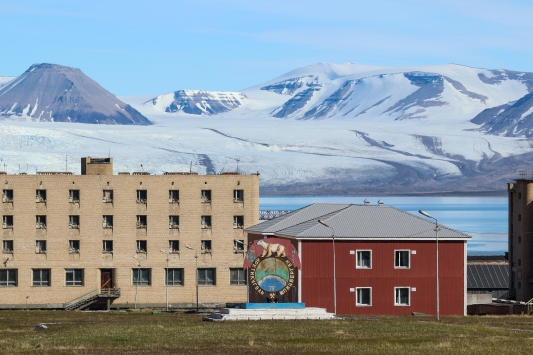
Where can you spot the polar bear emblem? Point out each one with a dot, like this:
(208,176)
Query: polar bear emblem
(268,249)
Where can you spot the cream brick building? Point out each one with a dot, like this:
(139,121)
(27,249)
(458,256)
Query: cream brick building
(65,236)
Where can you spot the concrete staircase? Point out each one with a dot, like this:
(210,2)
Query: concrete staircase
(98,295)
(235,314)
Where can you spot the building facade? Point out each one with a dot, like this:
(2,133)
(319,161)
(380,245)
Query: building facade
(382,260)
(521,239)
(65,236)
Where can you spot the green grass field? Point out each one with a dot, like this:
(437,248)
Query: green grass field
(179,333)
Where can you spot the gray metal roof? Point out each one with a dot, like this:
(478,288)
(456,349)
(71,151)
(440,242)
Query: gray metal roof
(488,276)
(354,222)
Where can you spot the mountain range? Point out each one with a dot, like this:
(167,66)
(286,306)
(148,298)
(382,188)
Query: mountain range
(320,129)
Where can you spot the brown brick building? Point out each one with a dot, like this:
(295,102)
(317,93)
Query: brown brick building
(521,239)
(65,236)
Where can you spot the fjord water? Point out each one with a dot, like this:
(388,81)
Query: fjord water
(484,218)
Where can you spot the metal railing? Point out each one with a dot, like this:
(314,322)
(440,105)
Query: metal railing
(530,306)
(91,296)
(266,215)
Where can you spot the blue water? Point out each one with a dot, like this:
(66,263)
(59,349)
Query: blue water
(484,218)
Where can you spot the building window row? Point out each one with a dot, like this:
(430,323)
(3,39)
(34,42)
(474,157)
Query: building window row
(402,259)
(363,296)
(107,246)
(107,222)
(107,196)
(140,277)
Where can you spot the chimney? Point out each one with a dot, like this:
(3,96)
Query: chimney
(96,166)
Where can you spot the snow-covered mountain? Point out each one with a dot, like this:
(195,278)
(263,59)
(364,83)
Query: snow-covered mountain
(321,129)
(197,102)
(5,79)
(513,119)
(51,92)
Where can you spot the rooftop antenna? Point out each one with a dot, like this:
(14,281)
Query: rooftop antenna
(190,168)
(66,163)
(237,160)
(142,167)
(109,153)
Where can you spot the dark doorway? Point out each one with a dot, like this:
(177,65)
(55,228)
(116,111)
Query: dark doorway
(106,278)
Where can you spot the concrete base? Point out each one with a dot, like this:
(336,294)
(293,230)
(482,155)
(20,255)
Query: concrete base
(234,314)
(271,305)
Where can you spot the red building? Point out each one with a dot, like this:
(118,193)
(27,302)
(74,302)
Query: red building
(385,259)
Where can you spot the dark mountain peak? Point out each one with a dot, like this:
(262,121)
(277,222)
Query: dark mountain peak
(56,93)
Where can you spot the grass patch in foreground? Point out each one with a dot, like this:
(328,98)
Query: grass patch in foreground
(137,332)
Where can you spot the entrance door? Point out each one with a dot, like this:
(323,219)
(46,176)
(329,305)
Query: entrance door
(106,278)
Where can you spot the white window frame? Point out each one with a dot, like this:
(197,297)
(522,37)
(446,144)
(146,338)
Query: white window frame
(408,256)
(357,304)
(409,296)
(357,259)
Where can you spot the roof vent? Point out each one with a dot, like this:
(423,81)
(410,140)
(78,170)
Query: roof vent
(380,203)
(366,202)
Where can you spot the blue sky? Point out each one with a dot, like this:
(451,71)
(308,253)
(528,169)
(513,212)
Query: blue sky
(158,46)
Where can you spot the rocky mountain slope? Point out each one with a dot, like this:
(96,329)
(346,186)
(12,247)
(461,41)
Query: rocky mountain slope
(5,79)
(55,93)
(513,119)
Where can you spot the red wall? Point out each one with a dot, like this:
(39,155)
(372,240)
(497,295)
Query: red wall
(317,276)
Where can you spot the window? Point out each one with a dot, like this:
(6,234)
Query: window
(74,222)
(364,259)
(363,296)
(141,246)
(7,222)
(206,222)
(519,285)
(519,262)
(238,246)
(238,222)
(174,246)
(141,221)
(173,222)
(519,217)
(7,246)
(40,196)
(107,246)
(237,277)
(8,278)
(41,277)
(141,277)
(74,246)
(206,196)
(401,259)
(107,196)
(519,195)
(40,222)
(142,196)
(74,277)
(519,240)
(40,246)
(401,296)
(7,196)
(206,277)
(238,195)
(173,196)
(174,277)
(107,222)
(206,246)
(73,196)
